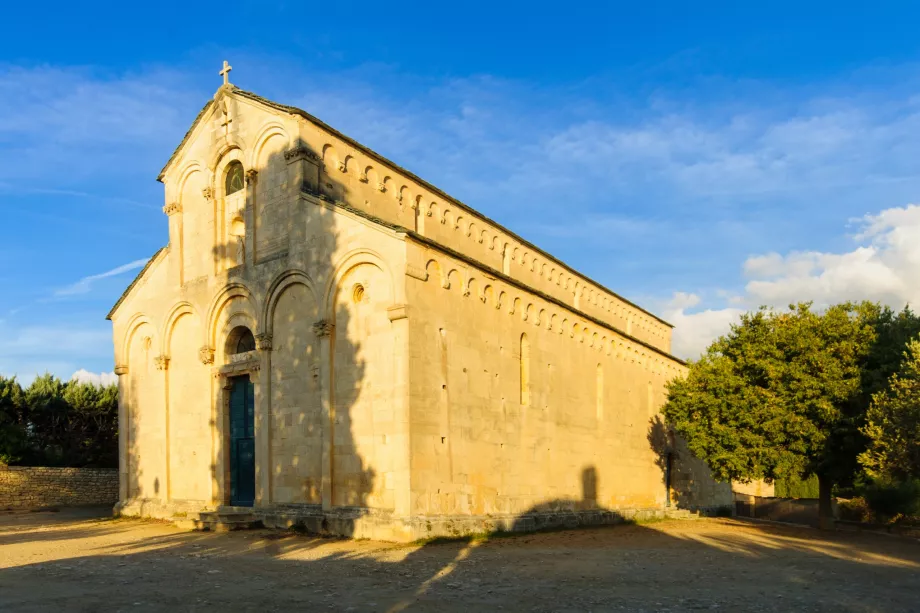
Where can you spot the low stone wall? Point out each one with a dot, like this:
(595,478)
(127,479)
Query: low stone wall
(30,487)
(792,510)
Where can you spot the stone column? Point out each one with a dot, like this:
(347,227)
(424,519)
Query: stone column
(124,437)
(399,446)
(323,330)
(263,422)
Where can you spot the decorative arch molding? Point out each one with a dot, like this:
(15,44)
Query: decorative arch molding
(551,317)
(179,310)
(227,149)
(281,282)
(269,129)
(184,175)
(134,324)
(350,260)
(220,301)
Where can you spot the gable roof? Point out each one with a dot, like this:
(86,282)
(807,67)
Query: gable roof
(232,89)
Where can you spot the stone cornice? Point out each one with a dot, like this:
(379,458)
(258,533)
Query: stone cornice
(300,152)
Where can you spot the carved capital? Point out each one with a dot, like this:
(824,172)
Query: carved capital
(161,362)
(264,342)
(206,355)
(207,193)
(323,328)
(363,177)
(251,176)
(300,152)
(381,187)
(342,167)
(121,369)
(172,208)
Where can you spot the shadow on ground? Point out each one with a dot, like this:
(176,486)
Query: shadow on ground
(66,563)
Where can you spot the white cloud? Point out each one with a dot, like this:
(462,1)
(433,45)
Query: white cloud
(85,284)
(693,332)
(100,378)
(884,266)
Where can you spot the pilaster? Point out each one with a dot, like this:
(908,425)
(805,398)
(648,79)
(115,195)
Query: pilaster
(263,422)
(400,449)
(124,436)
(250,212)
(324,331)
(174,211)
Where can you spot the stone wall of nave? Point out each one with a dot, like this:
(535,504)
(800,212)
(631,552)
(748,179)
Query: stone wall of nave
(516,408)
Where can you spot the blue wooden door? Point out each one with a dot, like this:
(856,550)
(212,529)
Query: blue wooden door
(242,443)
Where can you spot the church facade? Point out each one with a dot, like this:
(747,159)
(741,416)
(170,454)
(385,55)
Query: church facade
(331,341)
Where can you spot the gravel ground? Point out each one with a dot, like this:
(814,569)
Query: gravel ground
(78,561)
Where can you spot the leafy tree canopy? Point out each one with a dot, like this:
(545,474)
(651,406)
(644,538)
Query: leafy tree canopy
(766,399)
(57,423)
(893,424)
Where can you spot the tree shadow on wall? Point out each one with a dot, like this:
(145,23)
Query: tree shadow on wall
(563,513)
(683,476)
(282,236)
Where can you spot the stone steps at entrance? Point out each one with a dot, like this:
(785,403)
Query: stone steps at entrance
(223,519)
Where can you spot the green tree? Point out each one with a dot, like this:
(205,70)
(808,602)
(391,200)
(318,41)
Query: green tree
(893,424)
(13,432)
(92,437)
(771,398)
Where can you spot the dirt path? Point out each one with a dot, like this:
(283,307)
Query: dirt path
(74,561)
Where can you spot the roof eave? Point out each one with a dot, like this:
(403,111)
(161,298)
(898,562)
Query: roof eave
(140,275)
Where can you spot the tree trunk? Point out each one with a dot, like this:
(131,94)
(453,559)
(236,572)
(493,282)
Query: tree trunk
(825,510)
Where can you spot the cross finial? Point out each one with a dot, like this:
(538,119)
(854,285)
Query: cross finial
(225,73)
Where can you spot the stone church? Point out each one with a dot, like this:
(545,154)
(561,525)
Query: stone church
(330,341)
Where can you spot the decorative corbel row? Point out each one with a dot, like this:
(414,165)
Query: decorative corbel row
(172,208)
(397,312)
(416,272)
(323,328)
(300,152)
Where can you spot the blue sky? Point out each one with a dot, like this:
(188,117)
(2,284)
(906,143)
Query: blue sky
(698,161)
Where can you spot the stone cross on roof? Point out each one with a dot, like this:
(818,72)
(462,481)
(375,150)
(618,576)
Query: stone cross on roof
(225,73)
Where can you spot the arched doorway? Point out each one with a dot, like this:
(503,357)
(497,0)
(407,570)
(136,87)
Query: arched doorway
(242,424)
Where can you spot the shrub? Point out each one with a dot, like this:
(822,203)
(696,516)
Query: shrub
(891,499)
